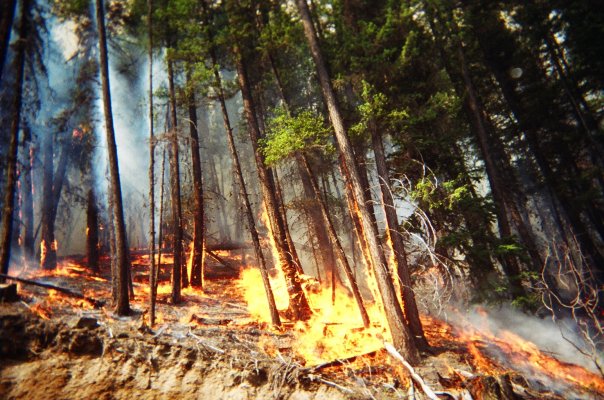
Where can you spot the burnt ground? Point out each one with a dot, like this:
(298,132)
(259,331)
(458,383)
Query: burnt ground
(54,346)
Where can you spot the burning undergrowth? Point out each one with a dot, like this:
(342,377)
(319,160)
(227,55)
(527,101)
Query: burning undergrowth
(219,344)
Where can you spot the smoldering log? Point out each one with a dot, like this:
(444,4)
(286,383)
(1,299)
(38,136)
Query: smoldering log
(95,303)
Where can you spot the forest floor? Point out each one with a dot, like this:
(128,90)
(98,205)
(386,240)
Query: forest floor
(53,346)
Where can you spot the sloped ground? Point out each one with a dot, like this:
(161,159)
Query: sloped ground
(57,347)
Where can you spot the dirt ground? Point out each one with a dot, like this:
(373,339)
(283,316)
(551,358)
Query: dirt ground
(56,347)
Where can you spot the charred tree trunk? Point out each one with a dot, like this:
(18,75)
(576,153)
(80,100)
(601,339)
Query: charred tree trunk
(396,242)
(317,223)
(178,280)
(92,232)
(298,302)
(27,189)
(401,336)
(152,266)
(48,248)
(13,148)
(197,267)
(288,236)
(336,243)
(7,14)
(276,321)
(122,303)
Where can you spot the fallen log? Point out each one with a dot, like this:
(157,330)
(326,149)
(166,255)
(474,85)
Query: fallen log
(95,303)
(220,259)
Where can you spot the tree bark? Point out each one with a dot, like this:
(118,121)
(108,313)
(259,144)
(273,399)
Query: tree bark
(396,242)
(7,14)
(401,336)
(92,232)
(122,303)
(13,148)
(178,280)
(298,302)
(197,268)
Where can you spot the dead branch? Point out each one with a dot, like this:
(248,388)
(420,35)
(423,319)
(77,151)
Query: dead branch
(338,361)
(95,303)
(206,344)
(416,378)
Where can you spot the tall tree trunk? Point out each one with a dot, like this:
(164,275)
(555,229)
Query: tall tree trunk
(122,303)
(27,190)
(178,279)
(276,321)
(7,14)
(13,148)
(48,248)
(317,224)
(473,108)
(152,265)
(288,236)
(298,302)
(336,243)
(92,232)
(496,181)
(401,336)
(396,242)
(198,211)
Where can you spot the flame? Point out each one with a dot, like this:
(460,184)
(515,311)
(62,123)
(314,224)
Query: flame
(190,260)
(334,331)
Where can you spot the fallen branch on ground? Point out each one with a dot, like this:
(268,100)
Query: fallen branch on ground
(416,378)
(339,361)
(95,303)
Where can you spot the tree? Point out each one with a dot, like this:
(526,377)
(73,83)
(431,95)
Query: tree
(15,122)
(401,336)
(122,306)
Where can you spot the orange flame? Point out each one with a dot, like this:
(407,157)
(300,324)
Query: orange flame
(334,331)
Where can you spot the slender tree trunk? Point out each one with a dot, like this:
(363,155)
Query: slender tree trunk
(48,248)
(7,14)
(92,232)
(298,302)
(13,147)
(473,108)
(396,242)
(160,236)
(401,336)
(288,236)
(496,182)
(27,190)
(317,224)
(178,280)
(276,321)
(339,250)
(198,207)
(152,266)
(122,303)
